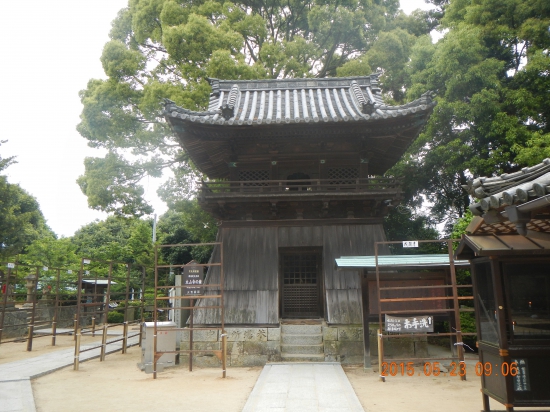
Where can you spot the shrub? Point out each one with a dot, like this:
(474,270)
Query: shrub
(115,317)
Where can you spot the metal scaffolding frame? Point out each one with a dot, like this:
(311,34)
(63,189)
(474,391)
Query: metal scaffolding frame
(455,310)
(161,289)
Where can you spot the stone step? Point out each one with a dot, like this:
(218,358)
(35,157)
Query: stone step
(302,329)
(302,349)
(302,358)
(301,339)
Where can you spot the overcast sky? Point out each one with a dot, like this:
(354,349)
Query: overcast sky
(50,51)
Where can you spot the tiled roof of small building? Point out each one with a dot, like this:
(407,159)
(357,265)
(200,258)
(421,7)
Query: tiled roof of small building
(510,188)
(512,202)
(257,102)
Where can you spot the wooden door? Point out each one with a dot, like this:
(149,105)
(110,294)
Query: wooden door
(300,270)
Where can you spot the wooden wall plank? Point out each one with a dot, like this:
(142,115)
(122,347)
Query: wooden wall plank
(349,240)
(344,306)
(250,258)
(251,266)
(251,277)
(242,307)
(300,236)
(346,240)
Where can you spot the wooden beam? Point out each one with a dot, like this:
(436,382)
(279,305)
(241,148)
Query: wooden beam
(366,313)
(304,222)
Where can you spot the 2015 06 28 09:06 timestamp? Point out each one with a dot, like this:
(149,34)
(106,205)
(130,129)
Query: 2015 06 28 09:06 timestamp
(455,369)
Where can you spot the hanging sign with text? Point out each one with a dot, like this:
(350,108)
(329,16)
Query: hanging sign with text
(411,324)
(192,275)
(521,380)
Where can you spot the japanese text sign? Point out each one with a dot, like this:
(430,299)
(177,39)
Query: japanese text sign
(192,275)
(521,380)
(411,324)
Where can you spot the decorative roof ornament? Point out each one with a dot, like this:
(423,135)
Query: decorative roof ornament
(367,107)
(228,109)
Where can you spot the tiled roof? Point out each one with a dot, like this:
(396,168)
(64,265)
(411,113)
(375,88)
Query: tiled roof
(512,202)
(257,102)
(495,193)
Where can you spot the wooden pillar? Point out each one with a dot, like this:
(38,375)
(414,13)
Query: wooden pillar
(456,305)
(365,313)
(451,316)
(274,170)
(322,169)
(364,158)
(486,406)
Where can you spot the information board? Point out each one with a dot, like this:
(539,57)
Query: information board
(192,275)
(411,324)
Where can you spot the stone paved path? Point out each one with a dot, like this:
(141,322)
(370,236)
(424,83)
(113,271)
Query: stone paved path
(303,387)
(15,385)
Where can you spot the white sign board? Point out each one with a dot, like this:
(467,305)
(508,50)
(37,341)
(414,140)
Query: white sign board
(410,243)
(410,324)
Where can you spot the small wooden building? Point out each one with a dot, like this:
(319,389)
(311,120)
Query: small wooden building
(291,167)
(413,286)
(95,289)
(508,244)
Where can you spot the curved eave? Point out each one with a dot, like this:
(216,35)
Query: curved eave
(343,111)
(330,109)
(211,147)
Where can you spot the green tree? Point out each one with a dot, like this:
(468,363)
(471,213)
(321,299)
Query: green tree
(21,220)
(185,223)
(490,73)
(460,226)
(116,238)
(5,162)
(54,254)
(402,224)
(140,244)
(168,48)
(126,242)
(51,252)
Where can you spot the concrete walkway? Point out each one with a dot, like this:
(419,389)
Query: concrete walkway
(15,385)
(303,387)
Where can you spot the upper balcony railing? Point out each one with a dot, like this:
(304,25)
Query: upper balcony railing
(300,186)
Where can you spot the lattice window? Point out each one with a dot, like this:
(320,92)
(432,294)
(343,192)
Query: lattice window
(300,269)
(253,175)
(343,175)
(301,300)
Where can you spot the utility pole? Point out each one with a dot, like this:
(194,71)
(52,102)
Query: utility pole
(155,229)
